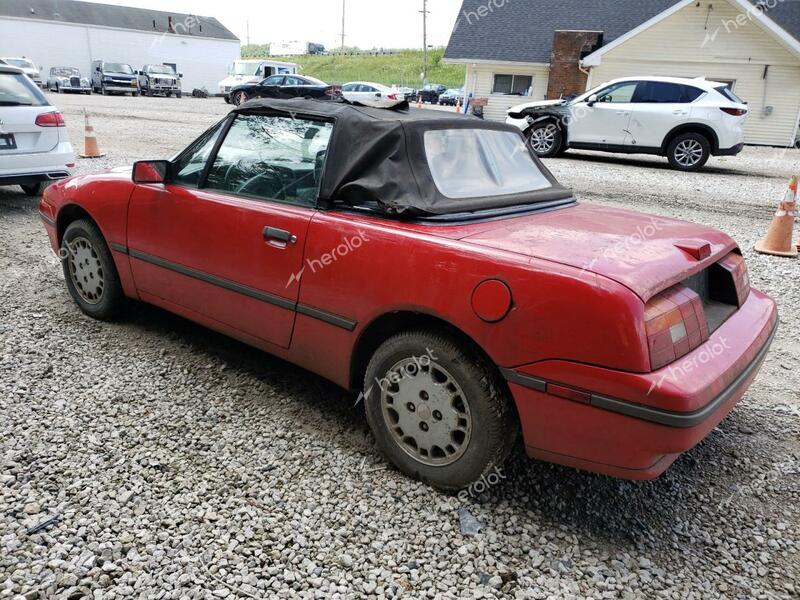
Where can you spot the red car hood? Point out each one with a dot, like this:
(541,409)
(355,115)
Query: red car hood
(643,252)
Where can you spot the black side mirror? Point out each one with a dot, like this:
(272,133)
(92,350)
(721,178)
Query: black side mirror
(150,171)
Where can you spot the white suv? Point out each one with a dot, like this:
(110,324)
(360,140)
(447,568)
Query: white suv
(686,120)
(34,147)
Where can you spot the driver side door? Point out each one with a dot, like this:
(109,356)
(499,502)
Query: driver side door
(222,241)
(605,122)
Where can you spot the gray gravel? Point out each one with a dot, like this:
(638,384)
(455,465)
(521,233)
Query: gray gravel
(160,460)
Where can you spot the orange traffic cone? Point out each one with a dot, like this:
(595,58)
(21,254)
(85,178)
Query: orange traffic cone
(419,101)
(458,106)
(91,149)
(778,240)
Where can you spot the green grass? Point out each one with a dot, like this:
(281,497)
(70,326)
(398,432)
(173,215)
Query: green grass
(401,68)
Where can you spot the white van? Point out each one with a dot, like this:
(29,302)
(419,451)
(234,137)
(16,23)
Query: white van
(252,71)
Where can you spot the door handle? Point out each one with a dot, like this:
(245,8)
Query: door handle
(272,234)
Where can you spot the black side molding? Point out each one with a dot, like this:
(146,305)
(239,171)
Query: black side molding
(655,415)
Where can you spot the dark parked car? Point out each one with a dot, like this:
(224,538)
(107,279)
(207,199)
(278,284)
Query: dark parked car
(114,78)
(285,86)
(431,92)
(160,79)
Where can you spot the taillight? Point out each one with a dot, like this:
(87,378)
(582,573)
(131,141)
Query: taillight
(734,264)
(51,119)
(392,96)
(675,325)
(736,112)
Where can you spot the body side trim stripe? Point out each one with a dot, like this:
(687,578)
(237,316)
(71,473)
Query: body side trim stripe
(47,219)
(655,415)
(119,248)
(244,290)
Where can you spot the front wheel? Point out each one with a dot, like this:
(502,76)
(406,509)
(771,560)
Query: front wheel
(689,152)
(437,410)
(89,271)
(240,98)
(546,139)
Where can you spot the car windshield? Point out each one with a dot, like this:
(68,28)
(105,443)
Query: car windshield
(472,163)
(22,63)
(117,68)
(66,72)
(240,68)
(160,69)
(17,90)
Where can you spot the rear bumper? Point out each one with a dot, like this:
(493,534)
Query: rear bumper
(41,166)
(732,151)
(635,425)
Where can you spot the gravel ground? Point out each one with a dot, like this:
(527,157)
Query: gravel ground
(160,460)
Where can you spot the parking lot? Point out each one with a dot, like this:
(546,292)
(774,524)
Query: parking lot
(181,464)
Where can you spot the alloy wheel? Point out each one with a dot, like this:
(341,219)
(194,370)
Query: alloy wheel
(426,412)
(241,98)
(86,270)
(543,139)
(688,153)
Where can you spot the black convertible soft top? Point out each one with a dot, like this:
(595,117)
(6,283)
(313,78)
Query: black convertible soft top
(377,156)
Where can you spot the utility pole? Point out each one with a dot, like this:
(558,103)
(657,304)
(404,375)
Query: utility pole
(343,13)
(248,32)
(425,14)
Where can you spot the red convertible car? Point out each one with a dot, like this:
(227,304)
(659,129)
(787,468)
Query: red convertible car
(432,262)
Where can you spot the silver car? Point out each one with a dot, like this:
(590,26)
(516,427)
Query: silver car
(68,79)
(27,66)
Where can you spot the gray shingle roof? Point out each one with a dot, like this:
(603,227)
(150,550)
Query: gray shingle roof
(522,30)
(106,15)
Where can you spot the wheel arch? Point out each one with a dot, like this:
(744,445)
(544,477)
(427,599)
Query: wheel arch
(700,128)
(385,326)
(70,213)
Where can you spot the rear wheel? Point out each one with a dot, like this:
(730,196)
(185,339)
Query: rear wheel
(89,271)
(32,189)
(437,410)
(546,139)
(689,152)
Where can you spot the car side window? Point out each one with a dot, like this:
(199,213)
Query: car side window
(661,92)
(272,158)
(189,165)
(349,88)
(620,93)
(273,80)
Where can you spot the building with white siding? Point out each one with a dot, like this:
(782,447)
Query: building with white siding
(70,33)
(544,49)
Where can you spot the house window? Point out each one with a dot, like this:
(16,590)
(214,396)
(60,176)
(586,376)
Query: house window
(512,85)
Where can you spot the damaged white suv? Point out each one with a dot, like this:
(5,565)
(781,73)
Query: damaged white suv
(686,120)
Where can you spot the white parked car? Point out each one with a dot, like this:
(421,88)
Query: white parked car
(371,94)
(34,147)
(686,120)
(28,67)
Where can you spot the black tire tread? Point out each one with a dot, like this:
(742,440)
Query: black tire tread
(504,431)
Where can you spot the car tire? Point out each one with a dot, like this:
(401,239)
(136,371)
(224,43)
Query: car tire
(461,424)
(179,94)
(689,152)
(103,91)
(90,272)
(33,189)
(240,98)
(546,139)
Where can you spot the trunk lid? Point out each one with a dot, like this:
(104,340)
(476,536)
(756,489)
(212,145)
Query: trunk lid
(645,253)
